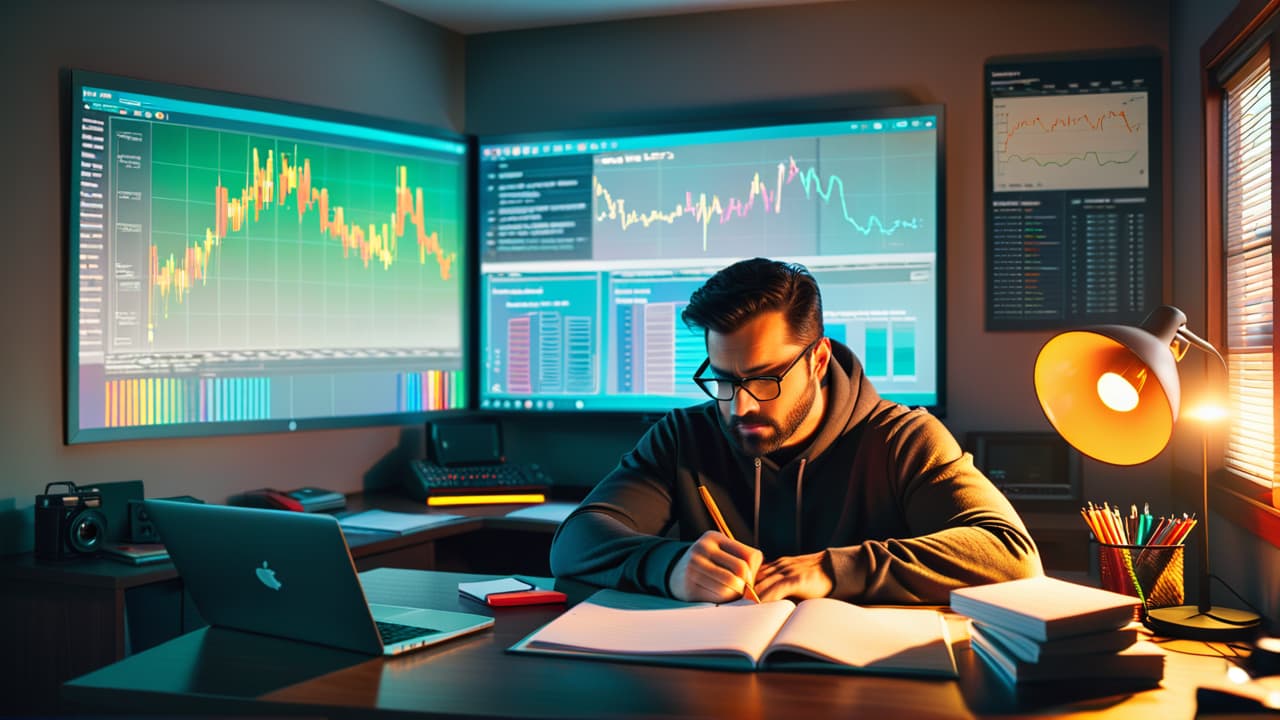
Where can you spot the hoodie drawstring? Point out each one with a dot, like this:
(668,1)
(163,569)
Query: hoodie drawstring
(799,495)
(799,498)
(755,526)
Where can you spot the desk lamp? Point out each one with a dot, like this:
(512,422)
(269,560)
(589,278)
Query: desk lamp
(1112,392)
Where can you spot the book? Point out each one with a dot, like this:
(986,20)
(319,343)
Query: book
(1045,608)
(509,591)
(1142,661)
(316,499)
(399,523)
(1028,650)
(136,553)
(815,634)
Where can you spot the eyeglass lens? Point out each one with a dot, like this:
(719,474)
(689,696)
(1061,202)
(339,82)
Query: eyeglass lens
(759,388)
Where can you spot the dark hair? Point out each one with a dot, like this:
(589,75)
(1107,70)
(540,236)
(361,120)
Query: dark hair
(740,292)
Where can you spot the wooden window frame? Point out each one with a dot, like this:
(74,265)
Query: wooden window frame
(1238,499)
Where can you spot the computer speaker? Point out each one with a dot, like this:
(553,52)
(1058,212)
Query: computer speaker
(141,530)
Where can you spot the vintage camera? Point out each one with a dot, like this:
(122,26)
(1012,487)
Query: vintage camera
(69,524)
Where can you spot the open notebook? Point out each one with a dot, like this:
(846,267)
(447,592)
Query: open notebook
(816,634)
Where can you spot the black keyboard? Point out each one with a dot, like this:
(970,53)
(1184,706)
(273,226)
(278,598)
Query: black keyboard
(433,479)
(393,633)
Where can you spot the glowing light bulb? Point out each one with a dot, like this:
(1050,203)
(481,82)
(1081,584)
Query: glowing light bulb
(1117,393)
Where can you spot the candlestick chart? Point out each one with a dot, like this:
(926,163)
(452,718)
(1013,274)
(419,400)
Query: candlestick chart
(276,242)
(243,264)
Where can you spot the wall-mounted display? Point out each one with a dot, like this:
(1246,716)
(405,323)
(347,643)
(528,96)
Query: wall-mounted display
(1073,231)
(592,242)
(241,264)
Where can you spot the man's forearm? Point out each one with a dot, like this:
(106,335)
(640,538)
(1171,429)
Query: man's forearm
(926,568)
(595,547)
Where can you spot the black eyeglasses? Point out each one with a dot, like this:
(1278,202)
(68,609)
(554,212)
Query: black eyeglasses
(760,387)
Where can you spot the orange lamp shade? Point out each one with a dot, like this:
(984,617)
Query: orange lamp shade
(1067,374)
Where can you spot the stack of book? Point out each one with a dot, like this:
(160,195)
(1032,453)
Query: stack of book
(1043,630)
(136,553)
(314,499)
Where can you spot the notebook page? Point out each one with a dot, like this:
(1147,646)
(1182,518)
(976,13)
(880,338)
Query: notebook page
(906,639)
(728,629)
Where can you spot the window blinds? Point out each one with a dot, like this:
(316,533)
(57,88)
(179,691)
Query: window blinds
(1248,266)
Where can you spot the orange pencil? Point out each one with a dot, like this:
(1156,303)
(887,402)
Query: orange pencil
(1100,527)
(1184,530)
(724,530)
(1109,522)
(1088,521)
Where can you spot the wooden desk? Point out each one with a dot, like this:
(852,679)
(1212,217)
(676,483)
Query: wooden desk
(218,671)
(65,619)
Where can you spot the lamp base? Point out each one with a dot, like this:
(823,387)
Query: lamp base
(1217,625)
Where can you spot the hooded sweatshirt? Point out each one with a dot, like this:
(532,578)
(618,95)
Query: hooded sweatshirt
(885,491)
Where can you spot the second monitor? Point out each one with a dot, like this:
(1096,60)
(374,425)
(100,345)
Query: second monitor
(591,243)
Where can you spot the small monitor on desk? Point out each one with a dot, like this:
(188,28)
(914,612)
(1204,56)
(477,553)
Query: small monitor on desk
(465,441)
(1030,468)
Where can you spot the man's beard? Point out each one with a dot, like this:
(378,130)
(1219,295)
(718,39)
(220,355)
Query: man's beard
(757,446)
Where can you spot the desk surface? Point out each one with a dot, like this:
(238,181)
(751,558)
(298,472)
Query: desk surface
(105,573)
(215,670)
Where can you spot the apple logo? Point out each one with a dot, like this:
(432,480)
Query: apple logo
(267,576)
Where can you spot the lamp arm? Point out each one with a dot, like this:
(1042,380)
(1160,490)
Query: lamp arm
(1203,602)
(1201,343)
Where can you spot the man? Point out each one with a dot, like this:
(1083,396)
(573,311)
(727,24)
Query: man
(827,489)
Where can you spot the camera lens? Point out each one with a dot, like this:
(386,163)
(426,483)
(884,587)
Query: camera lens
(87,531)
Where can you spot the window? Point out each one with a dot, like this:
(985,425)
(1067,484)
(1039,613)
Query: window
(1247,265)
(1238,61)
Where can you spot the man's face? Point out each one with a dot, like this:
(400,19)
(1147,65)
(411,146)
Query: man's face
(764,346)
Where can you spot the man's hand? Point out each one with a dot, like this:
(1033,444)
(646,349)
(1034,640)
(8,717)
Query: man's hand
(714,569)
(799,577)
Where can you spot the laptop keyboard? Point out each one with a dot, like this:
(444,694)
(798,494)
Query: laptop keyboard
(393,633)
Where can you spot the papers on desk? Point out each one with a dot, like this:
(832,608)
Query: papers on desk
(398,523)
(553,511)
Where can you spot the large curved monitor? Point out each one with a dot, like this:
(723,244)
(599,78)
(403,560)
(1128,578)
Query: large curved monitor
(245,265)
(591,243)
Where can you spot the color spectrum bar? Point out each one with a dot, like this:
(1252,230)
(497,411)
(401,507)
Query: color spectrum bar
(168,401)
(431,390)
(238,398)
(149,401)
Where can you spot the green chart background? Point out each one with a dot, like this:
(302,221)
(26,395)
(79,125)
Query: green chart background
(279,282)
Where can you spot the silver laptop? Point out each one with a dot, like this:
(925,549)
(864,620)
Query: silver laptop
(289,574)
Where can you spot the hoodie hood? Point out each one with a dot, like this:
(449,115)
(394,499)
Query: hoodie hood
(850,400)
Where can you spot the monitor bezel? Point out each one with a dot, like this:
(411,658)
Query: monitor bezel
(792,115)
(76,79)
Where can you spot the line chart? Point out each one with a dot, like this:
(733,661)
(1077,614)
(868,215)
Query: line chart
(706,204)
(1071,142)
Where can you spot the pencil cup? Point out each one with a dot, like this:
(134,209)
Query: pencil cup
(1152,573)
